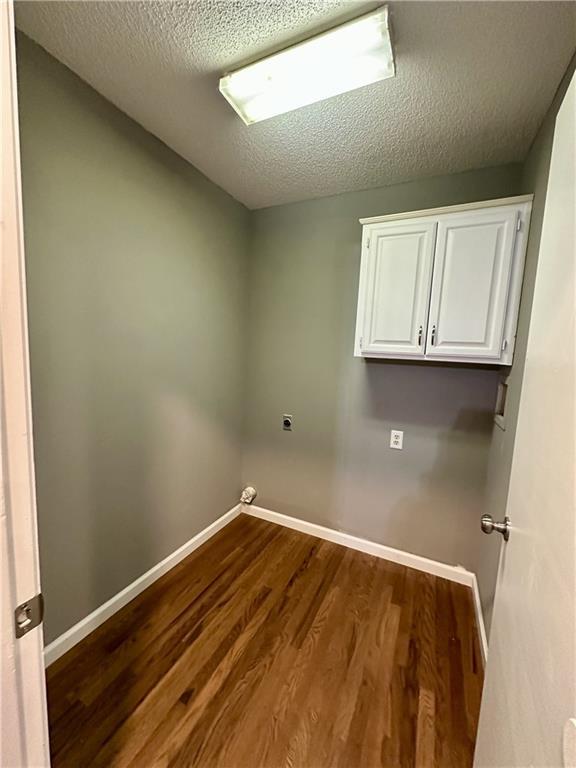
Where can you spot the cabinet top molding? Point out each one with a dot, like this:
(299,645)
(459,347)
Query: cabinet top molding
(449,209)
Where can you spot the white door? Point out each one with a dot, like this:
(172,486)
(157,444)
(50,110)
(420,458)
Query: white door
(24,727)
(396,287)
(530,689)
(472,268)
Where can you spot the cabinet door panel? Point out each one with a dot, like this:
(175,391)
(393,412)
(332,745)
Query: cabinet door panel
(399,266)
(474,254)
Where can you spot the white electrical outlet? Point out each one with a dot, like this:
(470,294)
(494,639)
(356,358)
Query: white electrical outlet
(396,439)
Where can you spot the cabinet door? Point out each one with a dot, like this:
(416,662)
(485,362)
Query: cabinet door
(472,267)
(398,270)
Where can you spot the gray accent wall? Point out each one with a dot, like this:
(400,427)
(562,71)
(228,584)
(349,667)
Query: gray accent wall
(170,330)
(336,467)
(136,276)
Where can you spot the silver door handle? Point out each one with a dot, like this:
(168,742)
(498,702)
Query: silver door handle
(420,336)
(488,526)
(433,339)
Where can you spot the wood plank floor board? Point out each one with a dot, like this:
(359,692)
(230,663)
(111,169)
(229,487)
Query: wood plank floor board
(268,647)
(280,693)
(203,664)
(154,657)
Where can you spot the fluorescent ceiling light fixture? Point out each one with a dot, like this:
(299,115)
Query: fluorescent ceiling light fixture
(345,58)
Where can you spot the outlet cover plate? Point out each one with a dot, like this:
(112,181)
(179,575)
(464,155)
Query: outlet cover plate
(396,439)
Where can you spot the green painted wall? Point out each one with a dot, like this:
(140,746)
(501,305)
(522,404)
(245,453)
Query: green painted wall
(336,468)
(136,274)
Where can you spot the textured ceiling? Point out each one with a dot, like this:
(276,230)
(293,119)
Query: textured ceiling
(474,80)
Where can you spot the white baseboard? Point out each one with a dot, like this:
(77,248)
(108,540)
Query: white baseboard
(451,572)
(79,631)
(480,620)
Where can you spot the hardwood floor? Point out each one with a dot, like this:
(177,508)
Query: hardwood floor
(267,647)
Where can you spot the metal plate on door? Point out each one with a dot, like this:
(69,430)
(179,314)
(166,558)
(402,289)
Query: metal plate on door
(29,615)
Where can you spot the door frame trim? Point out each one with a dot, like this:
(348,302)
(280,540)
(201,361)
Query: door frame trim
(24,735)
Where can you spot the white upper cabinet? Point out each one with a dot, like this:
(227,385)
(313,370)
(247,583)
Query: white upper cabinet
(472,268)
(398,266)
(443,284)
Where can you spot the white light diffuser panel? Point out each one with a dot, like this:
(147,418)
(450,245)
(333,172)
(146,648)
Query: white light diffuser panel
(345,58)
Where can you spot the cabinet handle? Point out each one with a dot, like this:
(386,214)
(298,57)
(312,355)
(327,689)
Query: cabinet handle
(433,339)
(420,336)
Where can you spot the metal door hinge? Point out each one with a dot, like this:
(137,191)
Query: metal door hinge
(29,615)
